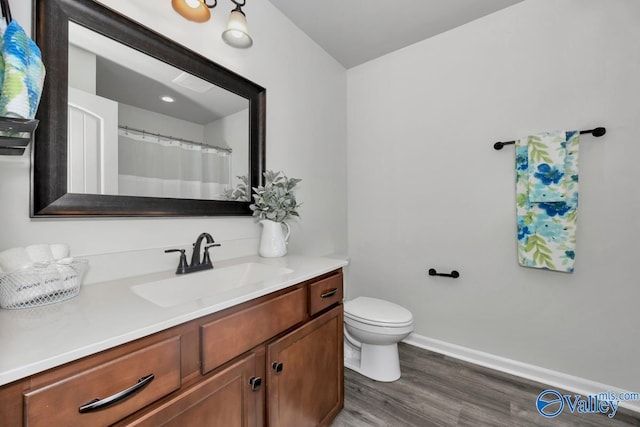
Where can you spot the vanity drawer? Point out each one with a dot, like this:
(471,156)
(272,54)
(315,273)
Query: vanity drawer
(232,335)
(117,384)
(325,293)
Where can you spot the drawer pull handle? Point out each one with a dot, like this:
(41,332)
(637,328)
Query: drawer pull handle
(97,403)
(329,294)
(277,366)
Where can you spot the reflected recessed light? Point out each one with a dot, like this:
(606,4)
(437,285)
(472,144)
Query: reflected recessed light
(167,98)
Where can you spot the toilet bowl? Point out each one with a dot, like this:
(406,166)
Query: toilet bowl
(372,330)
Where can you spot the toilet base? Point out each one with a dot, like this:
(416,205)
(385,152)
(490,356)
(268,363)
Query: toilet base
(378,362)
(351,357)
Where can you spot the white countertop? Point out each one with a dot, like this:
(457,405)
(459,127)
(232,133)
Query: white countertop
(108,314)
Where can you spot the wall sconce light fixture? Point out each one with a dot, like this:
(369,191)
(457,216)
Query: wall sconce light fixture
(236,34)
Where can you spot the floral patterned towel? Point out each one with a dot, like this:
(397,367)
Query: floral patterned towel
(547,224)
(547,155)
(24,73)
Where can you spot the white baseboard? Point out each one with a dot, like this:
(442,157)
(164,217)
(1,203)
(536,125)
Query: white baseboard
(524,370)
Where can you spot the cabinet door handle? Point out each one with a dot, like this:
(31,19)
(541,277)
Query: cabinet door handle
(277,366)
(255,383)
(329,294)
(98,403)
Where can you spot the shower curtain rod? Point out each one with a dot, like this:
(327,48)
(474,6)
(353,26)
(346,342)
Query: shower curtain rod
(595,132)
(172,138)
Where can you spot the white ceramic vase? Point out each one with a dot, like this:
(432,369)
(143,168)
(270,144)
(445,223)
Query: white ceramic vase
(273,239)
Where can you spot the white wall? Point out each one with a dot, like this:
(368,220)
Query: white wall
(82,69)
(231,131)
(139,118)
(306,137)
(426,188)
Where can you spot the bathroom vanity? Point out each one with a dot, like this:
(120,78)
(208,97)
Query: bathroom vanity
(267,352)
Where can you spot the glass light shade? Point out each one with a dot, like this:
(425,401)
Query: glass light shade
(236,34)
(193,10)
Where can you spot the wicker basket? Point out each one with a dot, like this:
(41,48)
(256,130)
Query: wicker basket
(41,284)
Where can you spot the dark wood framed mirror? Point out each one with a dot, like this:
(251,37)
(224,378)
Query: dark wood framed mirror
(50,187)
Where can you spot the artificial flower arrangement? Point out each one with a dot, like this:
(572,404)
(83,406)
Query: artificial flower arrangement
(275,200)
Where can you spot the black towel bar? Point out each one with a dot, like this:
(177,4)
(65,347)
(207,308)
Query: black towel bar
(599,131)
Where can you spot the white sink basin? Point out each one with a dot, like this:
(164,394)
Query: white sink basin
(205,284)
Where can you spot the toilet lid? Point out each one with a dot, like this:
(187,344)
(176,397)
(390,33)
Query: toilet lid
(377,312)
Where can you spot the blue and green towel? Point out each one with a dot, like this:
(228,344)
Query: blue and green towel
(547,199)
(22,74)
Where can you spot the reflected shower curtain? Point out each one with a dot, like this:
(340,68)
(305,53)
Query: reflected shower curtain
(152,166)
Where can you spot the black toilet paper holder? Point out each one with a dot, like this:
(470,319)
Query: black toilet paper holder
(454,274)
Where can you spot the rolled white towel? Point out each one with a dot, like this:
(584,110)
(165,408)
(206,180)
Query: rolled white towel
(24,287)
(68,276)
(14,259)
(40,253)
(59,250)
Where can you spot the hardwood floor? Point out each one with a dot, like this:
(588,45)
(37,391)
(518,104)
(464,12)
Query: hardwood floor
(437,390)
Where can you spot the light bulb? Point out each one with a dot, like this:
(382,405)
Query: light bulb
(193,10)
(237,34)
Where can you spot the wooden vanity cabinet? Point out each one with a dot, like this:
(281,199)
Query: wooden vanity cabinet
(141,377)
(305,374)
(226,398)
(276,360)
(232,334)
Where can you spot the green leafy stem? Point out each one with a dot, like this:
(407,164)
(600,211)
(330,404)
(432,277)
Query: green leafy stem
(541,252)
(538,150)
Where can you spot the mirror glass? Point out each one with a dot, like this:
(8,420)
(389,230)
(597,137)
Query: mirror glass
(107,142)
(141,127)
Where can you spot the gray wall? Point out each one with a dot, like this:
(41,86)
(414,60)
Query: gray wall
(427,189)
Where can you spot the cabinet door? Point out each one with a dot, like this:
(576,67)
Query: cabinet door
(226,399)
(305,373)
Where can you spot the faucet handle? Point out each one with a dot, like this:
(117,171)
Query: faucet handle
(182,264)
(207,258)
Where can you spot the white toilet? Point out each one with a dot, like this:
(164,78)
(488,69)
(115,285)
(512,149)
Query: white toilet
(373,328)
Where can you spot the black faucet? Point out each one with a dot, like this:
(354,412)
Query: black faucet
(195,255)
(196,264)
